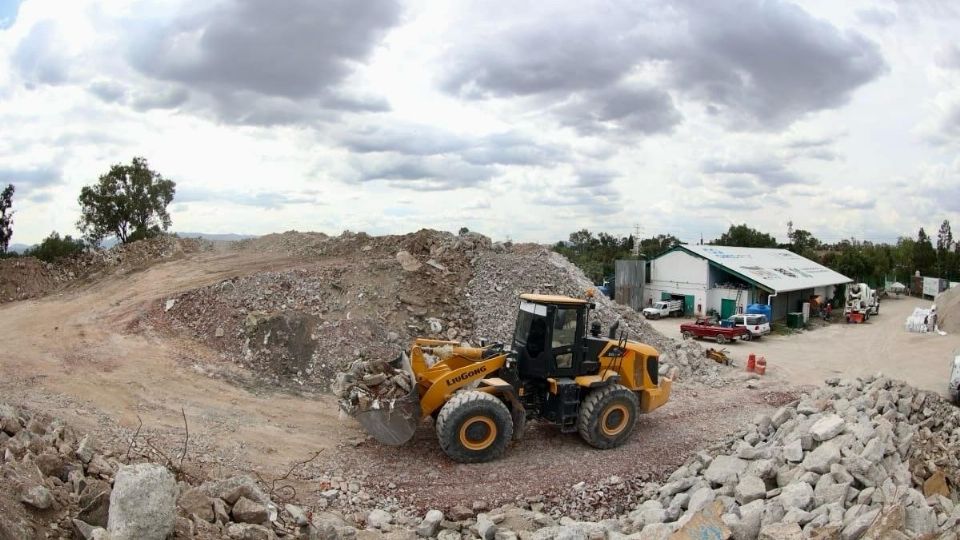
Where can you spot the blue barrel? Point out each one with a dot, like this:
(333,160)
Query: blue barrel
(761,309)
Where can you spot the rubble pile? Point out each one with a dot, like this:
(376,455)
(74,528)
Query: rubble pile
(22,278)
(364,297)
(371,385)
(58,484)
(501,275)
(948,310)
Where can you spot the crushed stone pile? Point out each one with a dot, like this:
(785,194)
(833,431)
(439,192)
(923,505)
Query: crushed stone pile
(500,276)
(22,278)
(371,385)
(948,310)
(57,483)
(354,297)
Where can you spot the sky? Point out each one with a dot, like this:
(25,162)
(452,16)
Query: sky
(521,120)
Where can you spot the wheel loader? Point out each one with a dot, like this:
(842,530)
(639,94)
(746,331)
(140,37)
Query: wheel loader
(555,370)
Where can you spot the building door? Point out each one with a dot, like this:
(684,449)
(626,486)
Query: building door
(728,307)
(664,295)
(688,304)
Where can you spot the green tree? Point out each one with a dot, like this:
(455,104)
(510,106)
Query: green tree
(803,243)
(924,256)
(6,218)
(129,202)
(53,247)
(944,243)
(651,247)
(743,236)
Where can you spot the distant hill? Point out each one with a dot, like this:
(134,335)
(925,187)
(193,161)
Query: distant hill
(18,248)
(228,237)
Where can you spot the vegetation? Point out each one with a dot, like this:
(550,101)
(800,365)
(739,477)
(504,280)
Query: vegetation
(129,202)
(54,247)
(6,218)
(862,261)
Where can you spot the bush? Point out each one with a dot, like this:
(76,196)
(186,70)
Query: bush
(53,247)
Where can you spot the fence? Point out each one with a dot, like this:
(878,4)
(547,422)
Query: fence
(628,283)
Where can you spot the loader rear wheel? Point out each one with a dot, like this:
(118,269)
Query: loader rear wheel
(474,427)
(608,416)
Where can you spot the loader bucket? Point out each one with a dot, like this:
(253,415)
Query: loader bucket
(395,424)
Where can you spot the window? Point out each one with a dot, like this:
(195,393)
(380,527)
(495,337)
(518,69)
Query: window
(564,328)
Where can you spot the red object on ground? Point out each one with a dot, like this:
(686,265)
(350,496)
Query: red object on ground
(761,367)
(751,362)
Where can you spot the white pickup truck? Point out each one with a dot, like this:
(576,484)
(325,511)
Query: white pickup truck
(664,308)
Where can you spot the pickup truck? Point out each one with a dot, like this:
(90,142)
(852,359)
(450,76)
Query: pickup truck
(664,308)
(704,328)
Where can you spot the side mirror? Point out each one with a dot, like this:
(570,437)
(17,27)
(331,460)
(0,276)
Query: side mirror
(483,342)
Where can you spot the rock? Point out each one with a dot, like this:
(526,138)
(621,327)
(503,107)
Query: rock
(183,528)
(431,522)
(827,427)
(221,514)
(700,498)
(750,488)
(195,502)
(169,304)
(447,534)
(379,519)
(793,451)
(782,415)
(827,493)
(85,449)
(231,489)
(656,531)
(486,528)
(95,507)
(781,531)
(142,503)
(81,529)
(50,464)
(460,513)
(408,262)
(247,511)
(859,525)
(920,521)
(820,460)
(796,495)
(725,470)
(248,531)
(297,513)
(37,497)
(750,519)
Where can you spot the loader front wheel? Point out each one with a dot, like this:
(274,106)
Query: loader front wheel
(608,416)
(474,427)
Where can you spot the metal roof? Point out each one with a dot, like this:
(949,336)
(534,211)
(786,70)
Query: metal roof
(777,270)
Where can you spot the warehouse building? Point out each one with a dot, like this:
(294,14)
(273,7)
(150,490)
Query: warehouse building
(728,279)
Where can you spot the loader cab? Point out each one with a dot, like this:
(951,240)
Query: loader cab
(550,337)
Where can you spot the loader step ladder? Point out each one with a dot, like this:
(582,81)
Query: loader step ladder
(569,394)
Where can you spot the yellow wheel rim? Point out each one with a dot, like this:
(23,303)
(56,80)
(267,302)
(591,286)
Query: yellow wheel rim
(478,433)
(614,420)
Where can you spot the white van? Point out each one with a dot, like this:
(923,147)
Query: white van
(755,323)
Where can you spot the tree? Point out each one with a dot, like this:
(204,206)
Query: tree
(651,247)
(944,242)
(743,236)
(6,218)
(803,243)
(53,247)
(924,256)
(129,202)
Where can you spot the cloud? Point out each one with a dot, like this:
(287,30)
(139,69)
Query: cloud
(877,17)
(948,56)
(259,199)
(415,140)
(849,198)
(31,183)
(38,57)
(428,173)
(290,54)
(108,91)
(512,148)
(767,171)
(754,64)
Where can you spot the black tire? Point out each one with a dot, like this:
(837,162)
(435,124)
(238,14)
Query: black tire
(608,416)
(474,427)
(747,337)
(687,335)
(721,339)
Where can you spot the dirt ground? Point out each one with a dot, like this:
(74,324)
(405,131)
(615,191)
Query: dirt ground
(79,356)
(840,350)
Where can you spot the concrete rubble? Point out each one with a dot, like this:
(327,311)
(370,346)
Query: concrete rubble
(368,385)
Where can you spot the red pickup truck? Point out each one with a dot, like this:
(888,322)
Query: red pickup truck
(704,328)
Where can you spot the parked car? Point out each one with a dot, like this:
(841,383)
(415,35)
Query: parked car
(704,328)
(664,308)
(756,324)
(953,388)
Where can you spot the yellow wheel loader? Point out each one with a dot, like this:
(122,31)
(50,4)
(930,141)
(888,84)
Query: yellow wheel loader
(480,398)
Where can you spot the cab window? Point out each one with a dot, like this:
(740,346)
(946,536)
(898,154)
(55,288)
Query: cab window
(564,328)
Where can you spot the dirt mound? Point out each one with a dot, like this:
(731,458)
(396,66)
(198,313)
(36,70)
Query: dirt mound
(362,297)
(22,278)
(948,310)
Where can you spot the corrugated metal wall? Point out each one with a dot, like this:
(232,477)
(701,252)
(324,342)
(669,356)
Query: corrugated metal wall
(628,283)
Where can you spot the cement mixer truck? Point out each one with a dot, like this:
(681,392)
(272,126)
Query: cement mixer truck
(861,302)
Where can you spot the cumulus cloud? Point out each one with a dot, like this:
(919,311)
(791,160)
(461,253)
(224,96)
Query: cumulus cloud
(32,183)
(38,57)
(289,54)
(767,171)
(269,200)
(877,16)
(757,65)
(627,108)
(426,173)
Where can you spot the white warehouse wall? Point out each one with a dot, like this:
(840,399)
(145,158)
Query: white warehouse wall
(678,273)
